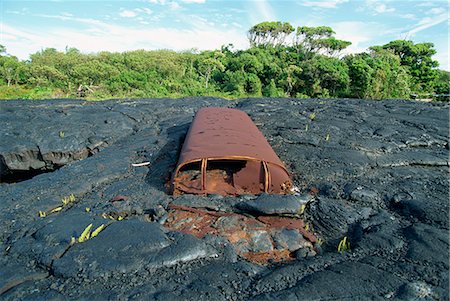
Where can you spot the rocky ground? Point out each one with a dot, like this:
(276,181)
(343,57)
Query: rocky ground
(374,173)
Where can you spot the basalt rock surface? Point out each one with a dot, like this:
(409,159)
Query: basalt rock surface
(372,172)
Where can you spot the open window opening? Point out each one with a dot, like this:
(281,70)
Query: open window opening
(234,177)
(225,177)
(189,178)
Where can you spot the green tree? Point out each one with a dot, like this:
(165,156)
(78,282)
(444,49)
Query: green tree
(418,59)
(253,84)
(269,33)
(361,72)
(9,69)
(2,49)
(318,40)
(324,76)
(390,79)
(46,76)
(209,63)
(290,78)
(56,68)
(272,90)
(442,85)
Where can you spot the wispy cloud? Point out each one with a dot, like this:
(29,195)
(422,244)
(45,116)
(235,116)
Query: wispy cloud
(428,22)
(193,1)
(382,8)
(323,3)
(408,16)
(174,6)
(361,34)
(260,10)
(100,36)
(378,6)
(436,11)
(157,1)
(265,10)
(128,13)
(164,2)
(443,55)
(426,4)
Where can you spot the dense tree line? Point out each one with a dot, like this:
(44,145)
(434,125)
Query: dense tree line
(281,62)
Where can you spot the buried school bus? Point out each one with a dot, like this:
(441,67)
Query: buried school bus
(225,153)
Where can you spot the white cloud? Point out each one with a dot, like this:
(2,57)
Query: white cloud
(443,59)
(324,3)
(436,11)
(408,16)
(145,10)
(361,34)
(442,55)
(265,10)
(426,4)
(135,12)
(378,6)
(103,36)
(193,1)
(382,8)
(157,1)
(428,22)
(15,12)
(128,13)
(260,11)
(174,6)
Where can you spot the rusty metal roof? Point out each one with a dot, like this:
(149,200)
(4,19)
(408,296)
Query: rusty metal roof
(228,147)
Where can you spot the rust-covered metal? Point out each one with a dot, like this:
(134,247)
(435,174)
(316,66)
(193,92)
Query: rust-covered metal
(225,153)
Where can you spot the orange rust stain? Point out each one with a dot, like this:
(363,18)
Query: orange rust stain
(191,223)
(314,190)
(265,257)
(235,227)
(282,222)
(288,223)
(237,236)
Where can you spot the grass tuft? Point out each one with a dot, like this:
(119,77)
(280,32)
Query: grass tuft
(344,245)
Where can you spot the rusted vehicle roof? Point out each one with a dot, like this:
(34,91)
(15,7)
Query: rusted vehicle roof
(225,153)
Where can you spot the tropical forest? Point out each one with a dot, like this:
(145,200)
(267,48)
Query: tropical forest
(282,61)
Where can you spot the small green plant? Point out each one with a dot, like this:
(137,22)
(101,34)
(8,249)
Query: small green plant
(114,216)
(87,209)
(307,227)
(68,200)
(88,234)
(61,134)
(65,201)
(97,231)
(312,116)
(57,209)
(344,245)
(327,137)
(302,209)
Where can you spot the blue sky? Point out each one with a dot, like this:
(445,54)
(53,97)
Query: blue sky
(91,26)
